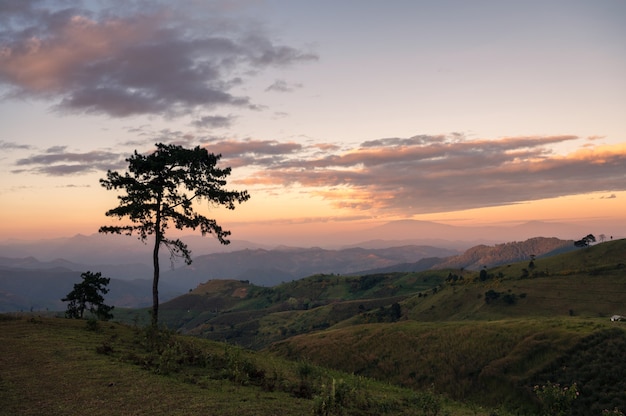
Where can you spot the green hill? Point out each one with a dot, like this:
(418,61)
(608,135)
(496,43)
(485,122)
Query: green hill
(491,336)
(484,336)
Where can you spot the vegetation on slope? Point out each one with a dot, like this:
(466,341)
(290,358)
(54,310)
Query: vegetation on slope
(486,336)
(58,366)
(492,363)
(492,336)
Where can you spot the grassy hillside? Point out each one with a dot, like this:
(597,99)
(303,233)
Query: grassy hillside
(589,282)
(491,336)
(56,366)
(254,316)
(492,363)
(585,282)
(483,336)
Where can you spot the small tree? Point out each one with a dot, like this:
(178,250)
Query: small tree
(585,241)
(87,295)
(160,188)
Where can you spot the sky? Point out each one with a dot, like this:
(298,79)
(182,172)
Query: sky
(333,114)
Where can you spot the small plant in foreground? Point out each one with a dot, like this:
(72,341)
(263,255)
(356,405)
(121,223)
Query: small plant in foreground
(92,325)
(333,399)
(428,403)
(615,411)
(556,400)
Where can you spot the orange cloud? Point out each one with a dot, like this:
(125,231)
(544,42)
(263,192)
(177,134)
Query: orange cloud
(420,175)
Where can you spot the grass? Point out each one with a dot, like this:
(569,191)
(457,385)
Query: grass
(55,366)
(450,348)
(50,366)
(493,363)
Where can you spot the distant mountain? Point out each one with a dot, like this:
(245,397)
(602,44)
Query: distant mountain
(483,255)
(109,249)
(490,256)
(270,267)
(27,282)
(104,249)
(433,233)
(40,289)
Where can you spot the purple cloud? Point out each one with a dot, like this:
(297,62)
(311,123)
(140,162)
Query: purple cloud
(151,61)
(56,162)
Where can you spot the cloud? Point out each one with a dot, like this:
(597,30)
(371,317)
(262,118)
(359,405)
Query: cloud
(148,60)
(282,86)
(213,121)
(56,162)
(265,153)
(4,145)
(425,174)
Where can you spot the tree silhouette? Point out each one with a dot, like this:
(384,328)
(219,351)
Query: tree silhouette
(585,241)
(160,189)
(89,292)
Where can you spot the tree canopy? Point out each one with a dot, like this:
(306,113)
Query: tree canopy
(160,189)
(585,241)
(87,295)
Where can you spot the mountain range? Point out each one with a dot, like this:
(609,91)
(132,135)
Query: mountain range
(27,283)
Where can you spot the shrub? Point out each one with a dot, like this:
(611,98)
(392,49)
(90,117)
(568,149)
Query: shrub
(615,412)
(428,403)
(333,399)
(556,400)
(92,325)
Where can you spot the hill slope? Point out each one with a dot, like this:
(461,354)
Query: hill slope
(497,333)
(58,367)
(490,256)
(477,335)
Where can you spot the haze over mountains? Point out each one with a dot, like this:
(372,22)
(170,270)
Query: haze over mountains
(37,274)
(115,250)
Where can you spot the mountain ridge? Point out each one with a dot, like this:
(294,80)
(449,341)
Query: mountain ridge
(259,266)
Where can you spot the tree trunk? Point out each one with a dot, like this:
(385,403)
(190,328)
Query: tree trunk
(155,262)
(155,281)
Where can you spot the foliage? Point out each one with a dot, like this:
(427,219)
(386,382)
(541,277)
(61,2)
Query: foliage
(87,295)
(615,411)
(596,363)
(428,403)
(332,400)
(160,189)
(490,354)
(585,241)
(509,298)
(556,400)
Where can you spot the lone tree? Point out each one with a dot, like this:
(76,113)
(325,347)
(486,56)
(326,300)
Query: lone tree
(159,191)
(88,295)
(585,241)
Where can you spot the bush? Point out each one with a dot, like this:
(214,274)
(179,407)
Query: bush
(428,403)
(333,399)
(556,400)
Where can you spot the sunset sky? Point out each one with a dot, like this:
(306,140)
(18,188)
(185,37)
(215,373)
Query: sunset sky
(333,114)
